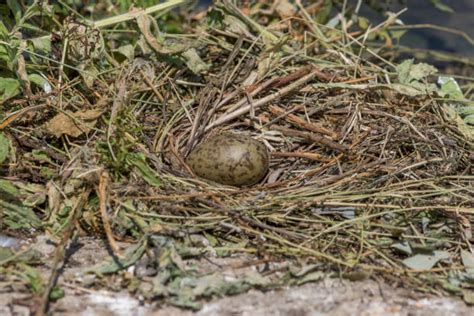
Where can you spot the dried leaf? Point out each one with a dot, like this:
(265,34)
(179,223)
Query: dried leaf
(468,297)
(468,261)
(358,275)
(234,25)
(414,89)
(144,23)
(284,8)
(85,42)
(463,126)
(301,272)
(311,277)
(73,124)
(403,247)
(194,61)
(4,147)
(54,197)
(425,261)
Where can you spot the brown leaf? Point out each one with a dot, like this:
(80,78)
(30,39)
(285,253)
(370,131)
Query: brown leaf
(73,124)
(284,8)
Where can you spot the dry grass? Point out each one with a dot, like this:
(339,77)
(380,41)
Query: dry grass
(357,165)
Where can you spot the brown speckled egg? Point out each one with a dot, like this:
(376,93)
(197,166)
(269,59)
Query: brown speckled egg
(230,159)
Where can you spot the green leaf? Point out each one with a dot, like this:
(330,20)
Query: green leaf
(30,256)
(4,54)
(145,171)
(39,156)
(450,87)
(33,28)
(16,9)
(89,75)
(6,254)
(403,70)
(31,11)
(188,290)
(469,120)
(397,34)
(8,88)
(33,277)
(403,247)
(41,44)
(3,31)
(363,23)
(56,293)
(450,285)
(425,261)
(421,71)
(441,6)
(464,111)
(128,51)
(323,15)
(17,216)
(8,187)
(131,256)
(4,147)
(409,72)
(32,194)
(214,17)
(40,81)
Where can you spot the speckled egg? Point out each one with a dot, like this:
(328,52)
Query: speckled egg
(230,159)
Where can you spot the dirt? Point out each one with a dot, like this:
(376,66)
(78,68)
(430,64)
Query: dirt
(327,297)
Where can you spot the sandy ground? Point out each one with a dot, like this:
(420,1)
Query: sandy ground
(326,297)
(329,297)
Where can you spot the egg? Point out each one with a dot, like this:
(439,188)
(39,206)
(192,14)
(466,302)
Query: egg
(231,159)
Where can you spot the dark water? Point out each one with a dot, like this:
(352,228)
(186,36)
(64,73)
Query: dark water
(422,12)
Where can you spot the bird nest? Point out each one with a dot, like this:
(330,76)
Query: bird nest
(371,163)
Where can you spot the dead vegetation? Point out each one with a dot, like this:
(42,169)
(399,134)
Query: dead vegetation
(372,159)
